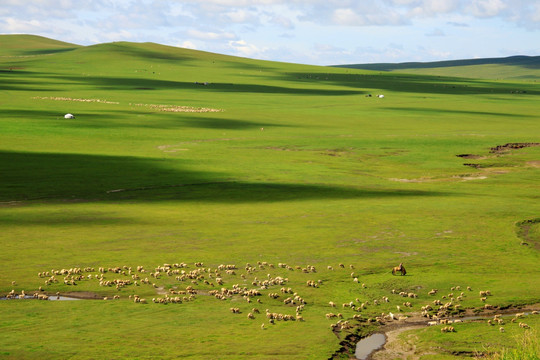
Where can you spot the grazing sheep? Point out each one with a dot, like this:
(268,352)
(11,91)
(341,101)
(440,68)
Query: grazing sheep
(262,326)
(524,326)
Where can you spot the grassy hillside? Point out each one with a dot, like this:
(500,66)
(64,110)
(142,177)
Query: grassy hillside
(513,67)
(31,45)
(286,171)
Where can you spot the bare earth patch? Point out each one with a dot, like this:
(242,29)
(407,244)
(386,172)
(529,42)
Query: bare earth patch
(420,180)
(395,348)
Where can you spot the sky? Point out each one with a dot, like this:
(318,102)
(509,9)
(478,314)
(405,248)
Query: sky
(318,32)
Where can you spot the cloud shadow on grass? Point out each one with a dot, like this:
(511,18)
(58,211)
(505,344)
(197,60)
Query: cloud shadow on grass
(142,83)
(436,111)
(407,83)
(61,177)
(166,120)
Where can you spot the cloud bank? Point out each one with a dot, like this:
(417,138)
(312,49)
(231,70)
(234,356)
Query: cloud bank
(307,31)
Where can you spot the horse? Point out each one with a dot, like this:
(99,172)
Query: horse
(400,269)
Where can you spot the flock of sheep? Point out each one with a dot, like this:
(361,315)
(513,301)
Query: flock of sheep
(255,284)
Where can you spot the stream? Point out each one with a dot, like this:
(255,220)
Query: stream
(375,342)
(51,298)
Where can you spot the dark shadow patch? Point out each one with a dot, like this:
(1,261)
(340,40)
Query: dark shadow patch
(120,83)
(60,177)
(398,82)
(454,111)
(222,123)
(47,51)
(239,191)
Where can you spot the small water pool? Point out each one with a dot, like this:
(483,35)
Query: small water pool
(368,345)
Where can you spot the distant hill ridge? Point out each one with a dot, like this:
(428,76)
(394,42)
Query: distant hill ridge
(513,67)
(522,60)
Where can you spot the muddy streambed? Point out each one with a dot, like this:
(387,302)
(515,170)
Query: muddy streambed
(51,298)
(375,343)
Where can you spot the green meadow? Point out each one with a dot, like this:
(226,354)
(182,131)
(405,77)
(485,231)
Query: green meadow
(179,157)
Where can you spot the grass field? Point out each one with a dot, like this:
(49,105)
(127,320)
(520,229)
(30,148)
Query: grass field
(295,165)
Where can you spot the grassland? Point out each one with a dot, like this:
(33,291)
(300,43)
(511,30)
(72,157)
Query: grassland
(298,167)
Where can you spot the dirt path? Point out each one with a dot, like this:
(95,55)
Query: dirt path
(396,348)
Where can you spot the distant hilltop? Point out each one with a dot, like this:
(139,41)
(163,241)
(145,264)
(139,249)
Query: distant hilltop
(515,67)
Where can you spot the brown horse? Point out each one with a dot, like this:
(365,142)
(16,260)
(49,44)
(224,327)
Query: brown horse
(400,269)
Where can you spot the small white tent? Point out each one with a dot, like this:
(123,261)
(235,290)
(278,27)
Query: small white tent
(69,116)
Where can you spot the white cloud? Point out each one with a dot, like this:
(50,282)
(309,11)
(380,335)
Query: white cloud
(121,35)
(432,7)
(486,8)
(12,25)
(359,17)
(188,45)
(242,48)
(240,16)
(436,32)
(210,36)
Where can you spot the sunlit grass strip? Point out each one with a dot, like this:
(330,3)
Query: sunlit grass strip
(528,348)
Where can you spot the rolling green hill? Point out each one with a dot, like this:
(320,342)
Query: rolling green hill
(31,45)
(513,67)
(230,193)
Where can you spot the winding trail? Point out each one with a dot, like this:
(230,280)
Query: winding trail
(398,348)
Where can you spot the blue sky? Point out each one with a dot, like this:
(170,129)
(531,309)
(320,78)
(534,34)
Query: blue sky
(320,32)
